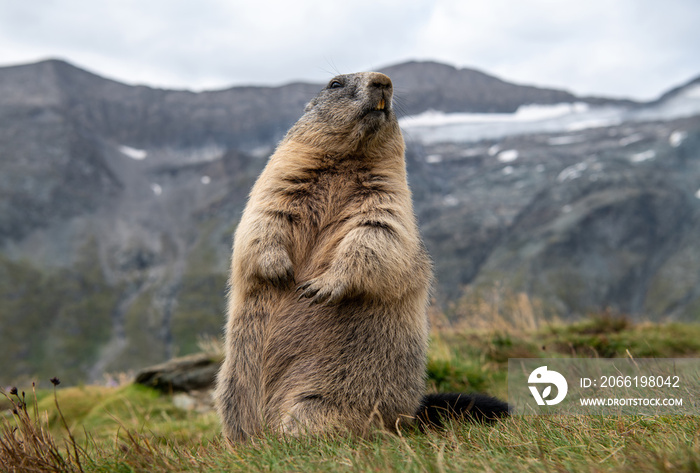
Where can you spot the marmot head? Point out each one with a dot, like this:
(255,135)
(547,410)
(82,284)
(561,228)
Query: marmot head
(351,113)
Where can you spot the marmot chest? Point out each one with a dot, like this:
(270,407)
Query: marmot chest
(325,205)
(331,197)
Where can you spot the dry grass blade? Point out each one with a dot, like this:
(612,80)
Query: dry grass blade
(135,429)
(27,445)
(76,451)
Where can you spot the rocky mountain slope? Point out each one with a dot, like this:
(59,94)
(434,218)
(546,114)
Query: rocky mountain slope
(118,204)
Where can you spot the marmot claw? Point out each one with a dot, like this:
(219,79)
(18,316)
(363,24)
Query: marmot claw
(319,291)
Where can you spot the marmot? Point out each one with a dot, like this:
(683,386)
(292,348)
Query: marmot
(327,327)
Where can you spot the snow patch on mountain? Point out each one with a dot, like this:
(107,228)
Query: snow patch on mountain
(133,153)
(435,126)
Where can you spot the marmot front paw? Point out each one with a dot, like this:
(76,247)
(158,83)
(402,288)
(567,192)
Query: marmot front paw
(276,267)
(322,289)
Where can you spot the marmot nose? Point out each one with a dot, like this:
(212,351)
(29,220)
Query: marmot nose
(380,81)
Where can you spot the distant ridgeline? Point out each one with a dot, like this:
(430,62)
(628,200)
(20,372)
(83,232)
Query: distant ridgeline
(119,203)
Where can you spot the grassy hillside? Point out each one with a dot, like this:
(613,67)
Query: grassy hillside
(49,316)
(132,428)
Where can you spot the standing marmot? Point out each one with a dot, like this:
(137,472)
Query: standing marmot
(327,326)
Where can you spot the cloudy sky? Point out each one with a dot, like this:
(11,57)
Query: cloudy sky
(630,48)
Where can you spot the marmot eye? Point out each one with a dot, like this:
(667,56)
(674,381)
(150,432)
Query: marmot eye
(335,84)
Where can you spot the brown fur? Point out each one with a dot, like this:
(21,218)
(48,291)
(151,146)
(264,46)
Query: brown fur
(327,326)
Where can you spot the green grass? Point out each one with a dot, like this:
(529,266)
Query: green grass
(46,316)
(134,429)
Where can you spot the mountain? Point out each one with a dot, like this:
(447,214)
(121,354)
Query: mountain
(119,203)
(144,116)
(422,86)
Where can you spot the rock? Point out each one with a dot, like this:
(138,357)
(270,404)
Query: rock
(197,401)
(184,401)
(185,374)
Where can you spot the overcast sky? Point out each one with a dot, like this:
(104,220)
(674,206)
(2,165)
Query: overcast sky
(629,48)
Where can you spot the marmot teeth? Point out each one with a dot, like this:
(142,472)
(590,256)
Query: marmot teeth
(381,105)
